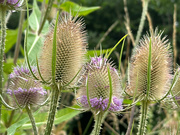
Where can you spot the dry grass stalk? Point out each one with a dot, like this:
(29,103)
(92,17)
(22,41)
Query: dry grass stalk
(127,23)
(174,34)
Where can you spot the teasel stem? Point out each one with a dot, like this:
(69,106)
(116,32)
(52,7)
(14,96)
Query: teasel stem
(31,117)
(143,17)
(2,44)
(53,106)
(56,88)
(143,118)
(99,118)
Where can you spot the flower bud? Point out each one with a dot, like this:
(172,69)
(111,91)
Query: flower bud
(161,68)
(70,50)
(23,89)
(96,75)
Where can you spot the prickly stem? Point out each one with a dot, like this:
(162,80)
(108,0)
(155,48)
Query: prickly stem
(53,106)
(143,118)
(99,118)
(2,44)
(28,109)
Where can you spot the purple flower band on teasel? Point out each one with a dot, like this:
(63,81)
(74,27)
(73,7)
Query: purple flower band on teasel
(97,61)
(15,3)
(40,91)
(18,71)
(101,104)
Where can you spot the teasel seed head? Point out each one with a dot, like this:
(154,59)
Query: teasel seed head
(96,75)
(70,50)
(22,88)
(161,68)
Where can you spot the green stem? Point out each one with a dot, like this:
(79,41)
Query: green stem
(2,44)
(28,109)
(143,17)
(53,106)
(99,118)
(143,118)
(18,43)
(48,10)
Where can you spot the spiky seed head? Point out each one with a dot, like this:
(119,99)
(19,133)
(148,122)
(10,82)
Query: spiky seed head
(24,89)
(161,67)
(99,86)
(70,50)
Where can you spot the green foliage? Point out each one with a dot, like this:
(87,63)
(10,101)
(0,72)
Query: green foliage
(10,39)
(76,9)
(61,116)
(12,129)
(35,41)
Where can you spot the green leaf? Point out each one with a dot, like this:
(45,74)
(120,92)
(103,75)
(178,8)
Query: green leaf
(12,129)
(8,66)
(35,41)
(92,53)
(34,19)
(10,39)
(76,9)
(34,45)
(61,116)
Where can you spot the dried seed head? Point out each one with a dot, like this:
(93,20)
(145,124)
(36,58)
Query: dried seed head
(99,87)
(70,50)
(24,89)
(161,68)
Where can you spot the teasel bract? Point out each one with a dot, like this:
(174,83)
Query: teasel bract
(100,90)
(63,54)
(25,92)
(175,94)
(150,73)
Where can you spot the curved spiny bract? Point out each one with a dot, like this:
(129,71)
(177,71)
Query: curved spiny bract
(176,89)
(161,68)
(70,50)
(96,76)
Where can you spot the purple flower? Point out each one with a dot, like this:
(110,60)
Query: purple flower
(97,62)
(102,104)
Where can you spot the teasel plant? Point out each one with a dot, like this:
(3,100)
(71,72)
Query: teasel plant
(5,5)
(150,74)
(61,58)
(24,92)
(100,90)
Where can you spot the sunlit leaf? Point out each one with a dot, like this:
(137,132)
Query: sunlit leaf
(76,9)
(10,39)
(92,53)
(61,116)
(12,129)
(35,41)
